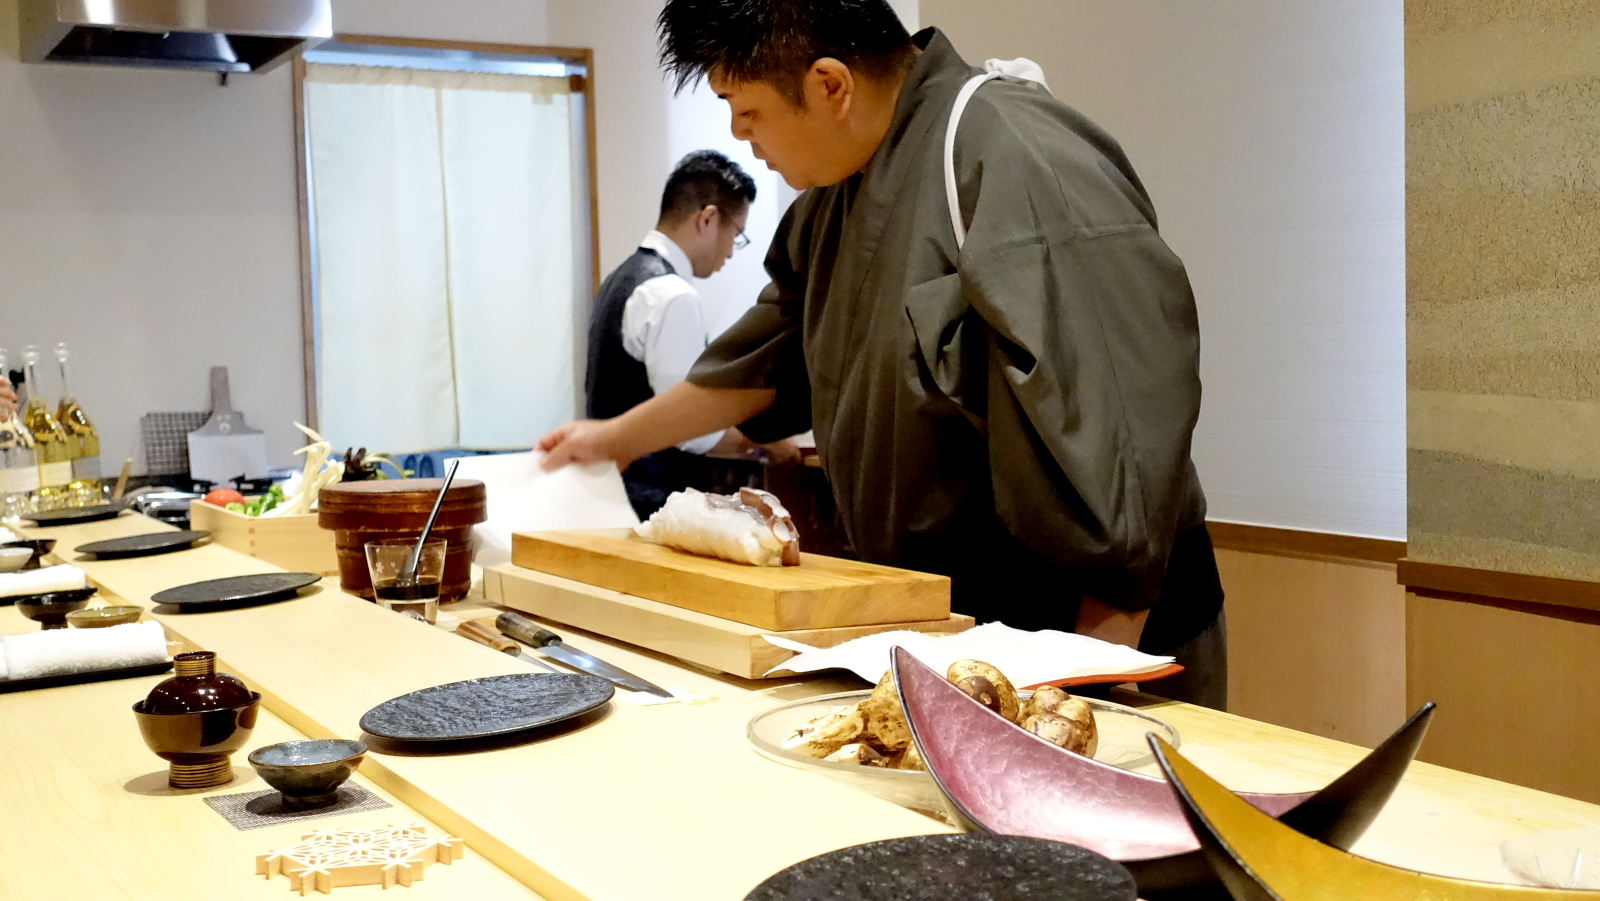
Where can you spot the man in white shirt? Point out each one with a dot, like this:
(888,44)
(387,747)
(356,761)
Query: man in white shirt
(649,324)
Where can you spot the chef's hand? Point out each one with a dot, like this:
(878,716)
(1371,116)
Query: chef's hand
(582,441)
(8,396)
(1097,619)
(781,453)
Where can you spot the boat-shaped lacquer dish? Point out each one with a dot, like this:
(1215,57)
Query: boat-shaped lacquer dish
(1259,858)
(1001,778)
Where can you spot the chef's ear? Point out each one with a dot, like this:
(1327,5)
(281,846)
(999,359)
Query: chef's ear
(830,84)
(707,218)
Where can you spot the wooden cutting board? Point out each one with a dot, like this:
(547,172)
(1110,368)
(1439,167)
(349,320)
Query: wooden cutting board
(820,593)
(708,641)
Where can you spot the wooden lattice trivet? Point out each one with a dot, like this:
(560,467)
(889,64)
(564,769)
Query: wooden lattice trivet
(329,858)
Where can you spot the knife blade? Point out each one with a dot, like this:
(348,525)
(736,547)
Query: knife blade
(528,632)
(485,636)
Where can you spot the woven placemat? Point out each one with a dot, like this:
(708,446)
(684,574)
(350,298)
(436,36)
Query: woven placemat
(253,810)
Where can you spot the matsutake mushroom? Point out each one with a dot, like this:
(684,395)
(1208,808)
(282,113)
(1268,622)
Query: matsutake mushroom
(1044,700)
(884,720)
(987,685)
(1071,726)
(827,733)
(858,753)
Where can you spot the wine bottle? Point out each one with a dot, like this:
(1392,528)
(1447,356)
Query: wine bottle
(83,442)
(49,440)
(19,471)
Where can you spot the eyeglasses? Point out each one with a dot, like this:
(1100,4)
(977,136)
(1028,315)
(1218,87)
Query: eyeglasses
(740,242)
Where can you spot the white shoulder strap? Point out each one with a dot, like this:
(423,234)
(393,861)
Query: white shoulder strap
(994,68)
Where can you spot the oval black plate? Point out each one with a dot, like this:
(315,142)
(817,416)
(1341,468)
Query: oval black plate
(71,594)
(141,545)
(101,675)
(261,588)
(953,868)
(488,707)
(74,515)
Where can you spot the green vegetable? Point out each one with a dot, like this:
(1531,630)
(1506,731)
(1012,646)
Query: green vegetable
(237,508)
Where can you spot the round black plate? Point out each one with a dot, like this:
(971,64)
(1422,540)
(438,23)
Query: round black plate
(258,589)
(485,708)
(55,597)
(74,515)
(141,545)
(953,868)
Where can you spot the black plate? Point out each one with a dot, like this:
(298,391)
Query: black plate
(72,594)
(141,545)
(261,588)
(485,708)
(953,868)
(74,515)
(104,675)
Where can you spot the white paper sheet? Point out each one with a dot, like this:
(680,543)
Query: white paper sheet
(1026,658)
(522,497)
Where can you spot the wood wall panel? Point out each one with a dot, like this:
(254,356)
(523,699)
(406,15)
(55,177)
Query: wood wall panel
(1517,692)
(1315,644)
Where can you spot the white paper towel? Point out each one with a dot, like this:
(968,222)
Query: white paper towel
(60,652)
(522,497)
(65,577)
(1026,658)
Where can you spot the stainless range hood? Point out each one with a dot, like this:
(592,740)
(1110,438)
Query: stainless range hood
(209,35)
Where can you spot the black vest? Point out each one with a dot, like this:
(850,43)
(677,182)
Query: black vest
(615,382)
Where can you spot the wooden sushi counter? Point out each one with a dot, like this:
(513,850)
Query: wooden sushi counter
(636,804)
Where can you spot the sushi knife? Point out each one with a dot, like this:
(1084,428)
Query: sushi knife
(528,632)
(489,638)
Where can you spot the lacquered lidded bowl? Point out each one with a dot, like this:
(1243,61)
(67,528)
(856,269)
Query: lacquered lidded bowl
(196,720)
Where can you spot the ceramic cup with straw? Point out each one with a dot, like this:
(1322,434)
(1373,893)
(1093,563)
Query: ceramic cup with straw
(406,574)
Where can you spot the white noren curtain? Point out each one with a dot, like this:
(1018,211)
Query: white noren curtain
(442,222)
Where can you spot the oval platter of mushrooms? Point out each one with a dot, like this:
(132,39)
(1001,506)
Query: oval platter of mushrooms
(873,731)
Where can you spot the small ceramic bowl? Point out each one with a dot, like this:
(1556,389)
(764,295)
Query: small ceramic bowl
(100,617)
(14,558)
(308,772)
(39,547)
(50,610)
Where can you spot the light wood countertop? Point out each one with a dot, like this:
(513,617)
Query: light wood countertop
(651,803)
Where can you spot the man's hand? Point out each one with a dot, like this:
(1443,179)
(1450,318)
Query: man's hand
(8,396)
(583,441)
(1098,619)
(783,452)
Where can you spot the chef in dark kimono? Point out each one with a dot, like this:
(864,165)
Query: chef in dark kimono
(1014,411)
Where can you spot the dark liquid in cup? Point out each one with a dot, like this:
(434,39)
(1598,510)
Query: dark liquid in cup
(424,589)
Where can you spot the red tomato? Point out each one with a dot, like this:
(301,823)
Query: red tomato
(222,497)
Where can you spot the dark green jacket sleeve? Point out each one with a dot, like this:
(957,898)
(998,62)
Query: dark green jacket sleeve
(1086,342)
(762,349)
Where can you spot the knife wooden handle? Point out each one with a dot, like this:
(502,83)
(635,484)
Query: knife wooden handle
(488,637)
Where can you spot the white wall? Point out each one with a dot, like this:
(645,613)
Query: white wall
(643,130)
(148,218)
(1271,137)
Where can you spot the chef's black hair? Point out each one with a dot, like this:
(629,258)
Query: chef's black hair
(776,41)
(706,178)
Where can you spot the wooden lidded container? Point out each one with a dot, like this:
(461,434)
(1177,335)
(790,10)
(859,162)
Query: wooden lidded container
(359,512)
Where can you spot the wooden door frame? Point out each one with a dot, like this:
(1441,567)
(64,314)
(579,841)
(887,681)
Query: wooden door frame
(583,84)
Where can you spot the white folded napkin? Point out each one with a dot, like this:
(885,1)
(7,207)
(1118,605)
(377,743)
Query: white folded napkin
(61,652)
(1026,658)
(522,497)
(65,577)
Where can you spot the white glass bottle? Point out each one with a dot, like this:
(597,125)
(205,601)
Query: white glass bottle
(19,471)
(49,440)
(83,441)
